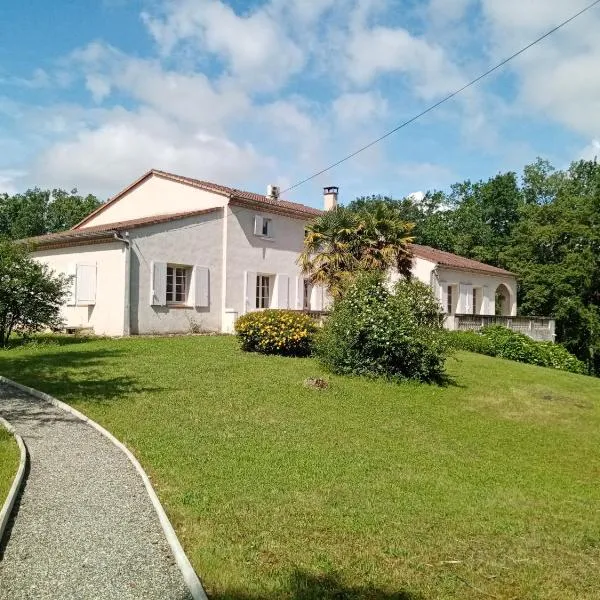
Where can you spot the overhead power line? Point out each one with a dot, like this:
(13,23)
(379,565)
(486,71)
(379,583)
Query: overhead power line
(447,98)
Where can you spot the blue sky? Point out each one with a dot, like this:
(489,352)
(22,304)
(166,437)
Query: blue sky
(92,94)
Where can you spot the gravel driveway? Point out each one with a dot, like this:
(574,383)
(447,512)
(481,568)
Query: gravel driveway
(85,527)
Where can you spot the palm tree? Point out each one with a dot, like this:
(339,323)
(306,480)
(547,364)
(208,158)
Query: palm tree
(346,240)
(385,238)
(329,255)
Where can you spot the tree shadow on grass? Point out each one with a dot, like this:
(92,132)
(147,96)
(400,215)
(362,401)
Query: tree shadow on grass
(326,586)
(87,375)
(49,339)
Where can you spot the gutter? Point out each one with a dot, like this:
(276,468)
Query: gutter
(127,297)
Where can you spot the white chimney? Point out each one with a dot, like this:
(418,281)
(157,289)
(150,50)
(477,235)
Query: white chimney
(273,192)
(330,197)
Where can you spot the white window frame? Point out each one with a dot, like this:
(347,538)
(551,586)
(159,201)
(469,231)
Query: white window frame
(173,272)
(262,301)
(263,227)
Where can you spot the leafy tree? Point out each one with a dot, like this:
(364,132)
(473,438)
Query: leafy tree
(37,212)
(66,209)
(545,227)
(24,215)
(370,234)
(30,293)
(555,251)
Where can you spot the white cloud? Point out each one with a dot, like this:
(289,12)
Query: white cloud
(447,11)
(417,197)
(9,181)
(555,78)
(98,86)
(381,50)
(127,144)
(592,151)
(252,46)
(358,108)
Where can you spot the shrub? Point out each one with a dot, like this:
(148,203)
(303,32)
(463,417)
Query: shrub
(470,341)
(513,345)
(376,332)
(31,295)
(282,332)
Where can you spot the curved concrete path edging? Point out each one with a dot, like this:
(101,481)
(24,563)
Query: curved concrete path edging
(189,575)
(17,484)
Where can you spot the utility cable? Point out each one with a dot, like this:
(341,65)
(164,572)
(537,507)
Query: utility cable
(447,98)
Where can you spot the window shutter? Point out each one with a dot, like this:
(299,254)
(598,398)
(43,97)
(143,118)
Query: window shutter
(258,225)
(271,230)
(316,298)
(250,291)
(443,295)
(201,275)
(158,287)
(283,291)
(86,285)
(468,299)
(299,302)
(72,293)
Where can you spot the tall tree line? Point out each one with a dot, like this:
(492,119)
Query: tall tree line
(543,225)
(37,211)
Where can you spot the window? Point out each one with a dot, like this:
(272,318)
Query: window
(263,291)
(306,295)
(178,283)
(474,301)
(450,301)
(263,227)
(267,227)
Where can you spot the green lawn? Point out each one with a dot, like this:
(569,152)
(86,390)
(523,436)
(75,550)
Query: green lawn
(9,462)
(487,488)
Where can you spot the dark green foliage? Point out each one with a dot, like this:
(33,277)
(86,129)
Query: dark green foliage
(30,294)
(517,346)
(545,228)
(505,343)
(283,332)
(470,341)
(374,332)
(37,212)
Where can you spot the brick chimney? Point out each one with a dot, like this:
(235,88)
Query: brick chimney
(330,197)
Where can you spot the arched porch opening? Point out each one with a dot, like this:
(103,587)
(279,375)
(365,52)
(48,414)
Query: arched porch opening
(503,301)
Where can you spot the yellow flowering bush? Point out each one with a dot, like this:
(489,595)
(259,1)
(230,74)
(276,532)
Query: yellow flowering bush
(282,332)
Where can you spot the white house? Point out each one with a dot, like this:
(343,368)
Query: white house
(174,254)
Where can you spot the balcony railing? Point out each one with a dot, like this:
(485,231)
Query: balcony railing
(541,329)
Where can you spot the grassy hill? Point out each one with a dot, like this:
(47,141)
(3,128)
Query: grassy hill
(485,488)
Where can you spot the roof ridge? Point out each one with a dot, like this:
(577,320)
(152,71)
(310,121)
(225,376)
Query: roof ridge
(216,188)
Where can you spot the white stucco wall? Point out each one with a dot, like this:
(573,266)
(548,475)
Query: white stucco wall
(481,281)
(248,252)
(195,241)
(421,270)
(156,196)
(107,315)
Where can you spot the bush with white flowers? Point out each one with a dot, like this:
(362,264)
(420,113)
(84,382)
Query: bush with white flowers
(377,332)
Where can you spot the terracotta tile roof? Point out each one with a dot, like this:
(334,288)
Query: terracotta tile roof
(236,196)
(447,259)
(106,231)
